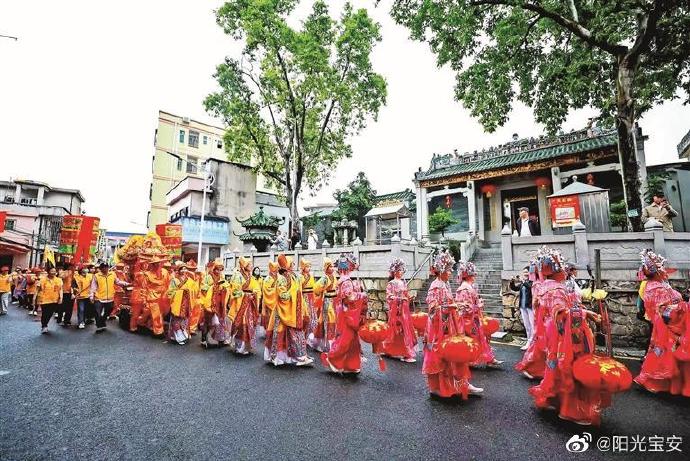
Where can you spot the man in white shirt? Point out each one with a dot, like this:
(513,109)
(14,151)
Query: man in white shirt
(526,227)
(312,240)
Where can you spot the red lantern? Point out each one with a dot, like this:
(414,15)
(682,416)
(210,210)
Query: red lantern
(459,349)
(602,374)
(542,182)
(449,202)
(374,332)
(488,190)
(419,321)
(490,325)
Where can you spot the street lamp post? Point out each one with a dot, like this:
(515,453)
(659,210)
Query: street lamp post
(208,180)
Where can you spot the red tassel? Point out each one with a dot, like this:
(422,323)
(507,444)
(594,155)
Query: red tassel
(382,364)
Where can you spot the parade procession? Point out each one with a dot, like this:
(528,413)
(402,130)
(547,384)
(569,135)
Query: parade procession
(326,315)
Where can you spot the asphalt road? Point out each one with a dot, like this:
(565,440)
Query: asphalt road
(76,395)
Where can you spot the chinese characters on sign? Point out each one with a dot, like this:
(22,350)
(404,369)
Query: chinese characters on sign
(565,210)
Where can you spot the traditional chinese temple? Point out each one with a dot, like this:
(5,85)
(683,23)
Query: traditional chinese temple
(484,189)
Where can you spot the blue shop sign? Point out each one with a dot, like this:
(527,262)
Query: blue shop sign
(215,232)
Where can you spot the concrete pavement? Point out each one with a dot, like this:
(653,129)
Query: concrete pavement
(76,395)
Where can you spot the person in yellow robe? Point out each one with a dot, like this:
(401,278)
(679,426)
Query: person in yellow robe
(215,325)
(245,291)
(306,279)
(285,339)
(269,294)
(325,290)
(197,309)
(183,297)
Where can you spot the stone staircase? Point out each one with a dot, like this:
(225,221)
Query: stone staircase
(489,263)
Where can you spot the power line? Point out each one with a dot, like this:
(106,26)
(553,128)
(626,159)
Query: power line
(9,36)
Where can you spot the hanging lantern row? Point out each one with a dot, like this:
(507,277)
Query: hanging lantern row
(542,182)
(488,190)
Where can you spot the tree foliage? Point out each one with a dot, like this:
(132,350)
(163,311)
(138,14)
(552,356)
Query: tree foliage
(294,98)
(355,201)
(655,185)
(620,57)
(441,219)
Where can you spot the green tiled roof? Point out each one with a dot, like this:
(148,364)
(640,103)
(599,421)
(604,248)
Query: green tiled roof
(607,139)
(406,194)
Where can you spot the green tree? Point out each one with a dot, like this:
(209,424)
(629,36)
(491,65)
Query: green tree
(355,201)
(555,56)
(655,185)
(294,98)
(440,220)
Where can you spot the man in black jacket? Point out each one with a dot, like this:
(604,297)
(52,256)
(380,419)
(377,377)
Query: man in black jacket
(523,285)
(525,226)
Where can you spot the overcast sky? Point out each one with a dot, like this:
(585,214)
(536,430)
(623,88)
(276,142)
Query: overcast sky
(81,89)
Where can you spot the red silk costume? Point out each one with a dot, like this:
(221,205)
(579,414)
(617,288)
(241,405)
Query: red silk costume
(402,340)
(470,305)
(666,367)
(444,379)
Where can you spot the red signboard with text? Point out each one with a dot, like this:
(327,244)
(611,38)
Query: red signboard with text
(3,217)
(565,210)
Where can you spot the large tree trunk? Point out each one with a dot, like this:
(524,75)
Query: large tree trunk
(627,148)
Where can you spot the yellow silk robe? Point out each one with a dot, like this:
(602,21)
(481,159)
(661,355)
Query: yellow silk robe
(291,309)
(325,285)
(238,285)
(177,294)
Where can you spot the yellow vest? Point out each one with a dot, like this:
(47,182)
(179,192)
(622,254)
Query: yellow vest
(83,285)
(5,285)
(105,286)
(50,290)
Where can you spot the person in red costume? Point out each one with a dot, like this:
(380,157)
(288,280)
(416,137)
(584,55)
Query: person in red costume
(568,337)
(471,309)
(666,367)
(351,301)
(444,379)
(548,292)
(403,340)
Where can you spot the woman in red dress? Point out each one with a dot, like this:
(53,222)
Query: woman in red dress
(471,309)
(568,337)
(402,341)
(444,379)
(666,367)
(351,301)
(548,292)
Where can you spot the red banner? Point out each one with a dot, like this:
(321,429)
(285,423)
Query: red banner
(79,237)
(171,237)
(565,210)
(3,217)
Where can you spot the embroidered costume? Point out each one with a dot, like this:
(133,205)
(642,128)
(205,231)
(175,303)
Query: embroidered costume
(403,340)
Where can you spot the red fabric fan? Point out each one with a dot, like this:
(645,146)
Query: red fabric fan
(459,349)
(490,325)
(419,321)
(602,374)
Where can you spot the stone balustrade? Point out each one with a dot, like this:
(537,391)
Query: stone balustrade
(618,263)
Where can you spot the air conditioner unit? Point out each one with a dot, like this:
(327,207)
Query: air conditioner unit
(185,120)
(9,199)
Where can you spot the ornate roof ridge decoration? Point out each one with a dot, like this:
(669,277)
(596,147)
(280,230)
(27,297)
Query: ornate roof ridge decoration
(445,165)
(261,220)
